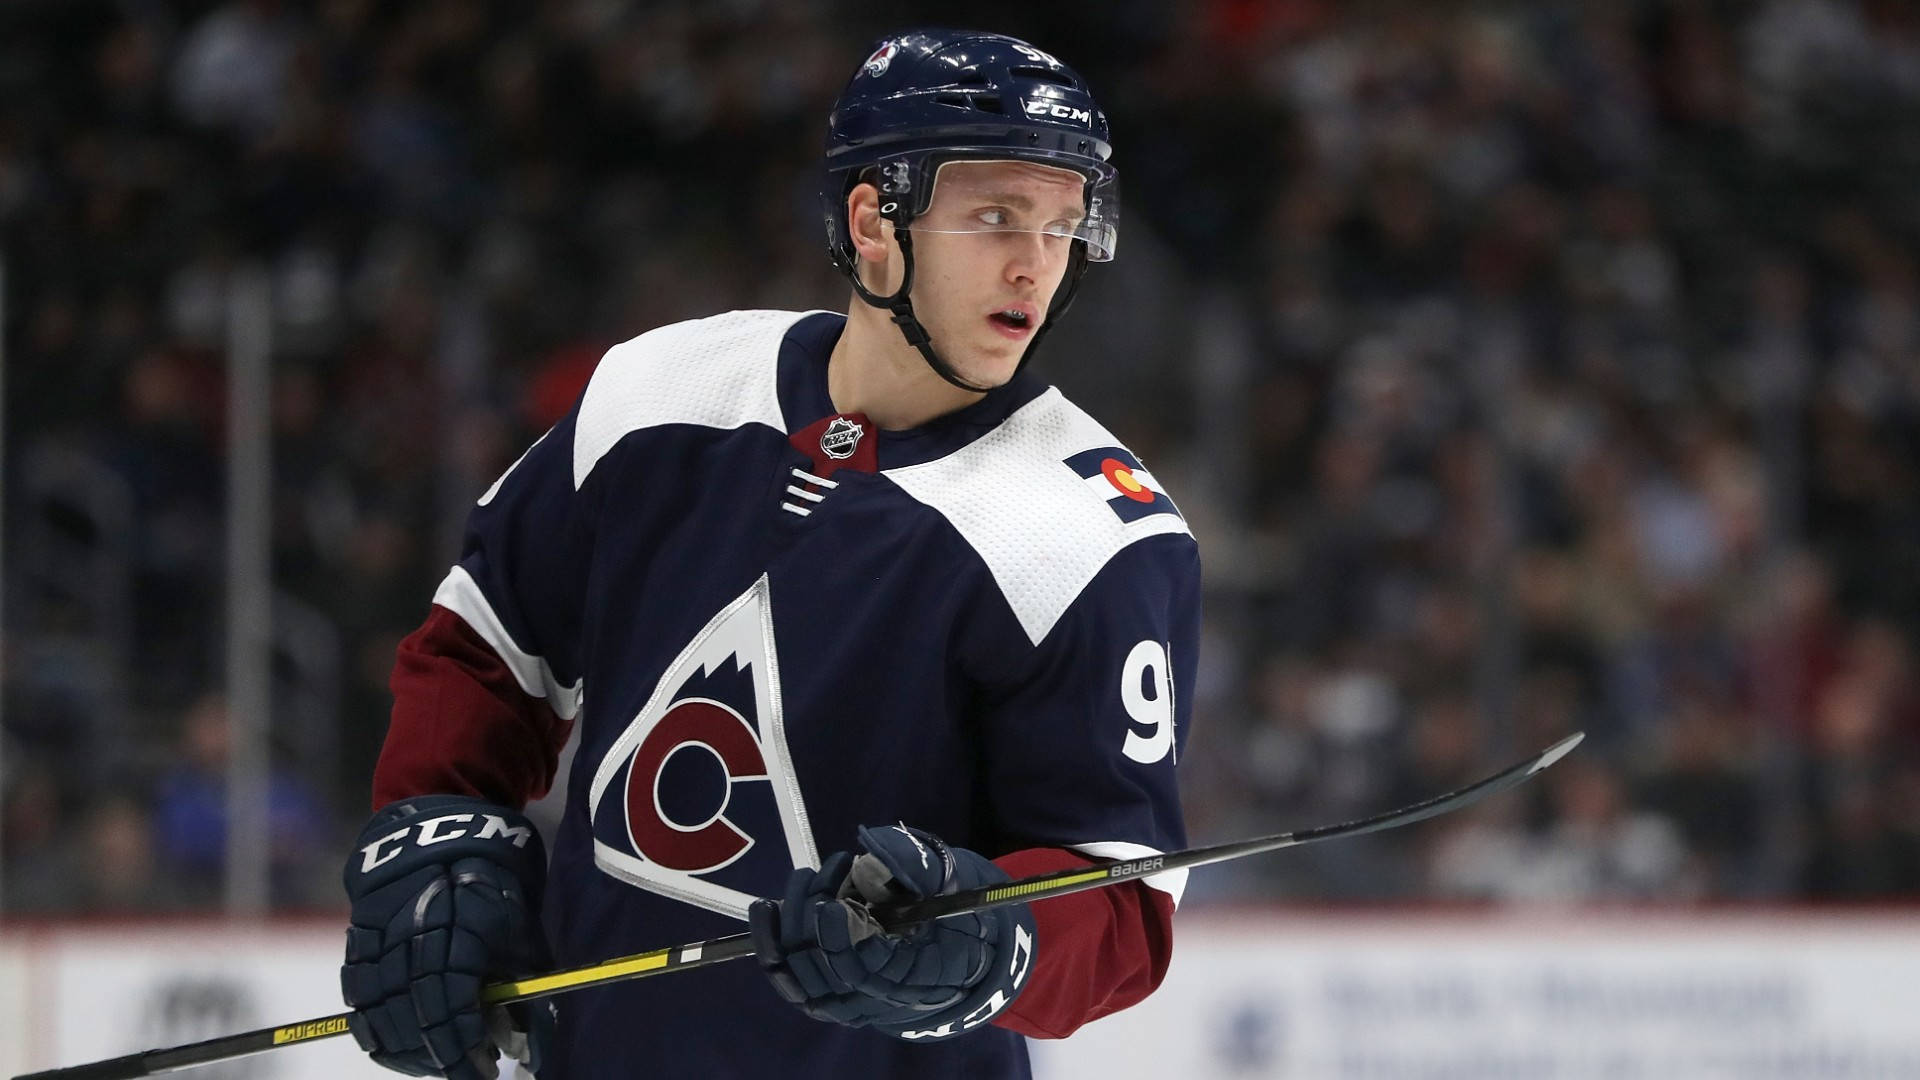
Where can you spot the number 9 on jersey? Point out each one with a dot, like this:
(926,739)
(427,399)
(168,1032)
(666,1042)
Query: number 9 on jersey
(1146,689)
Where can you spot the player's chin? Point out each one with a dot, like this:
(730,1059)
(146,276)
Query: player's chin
(994,357)
(990,368)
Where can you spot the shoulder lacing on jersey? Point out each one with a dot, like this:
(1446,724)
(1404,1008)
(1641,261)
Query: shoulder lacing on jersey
(804,493)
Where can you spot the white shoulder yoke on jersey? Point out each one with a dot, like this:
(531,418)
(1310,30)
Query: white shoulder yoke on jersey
(718,372)
(1040,528)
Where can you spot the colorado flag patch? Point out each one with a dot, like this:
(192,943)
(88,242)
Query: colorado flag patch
(1117,477)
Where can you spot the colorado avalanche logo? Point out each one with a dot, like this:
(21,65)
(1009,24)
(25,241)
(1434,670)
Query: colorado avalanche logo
(876,64)
(680,798)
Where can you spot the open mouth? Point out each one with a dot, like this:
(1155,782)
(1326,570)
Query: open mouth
(1013,322)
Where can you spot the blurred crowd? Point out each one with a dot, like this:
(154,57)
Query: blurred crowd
(1523,368)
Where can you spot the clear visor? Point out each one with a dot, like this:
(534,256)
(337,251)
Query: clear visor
(1013,198)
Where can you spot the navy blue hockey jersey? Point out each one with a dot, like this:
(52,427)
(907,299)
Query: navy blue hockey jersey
(773,624)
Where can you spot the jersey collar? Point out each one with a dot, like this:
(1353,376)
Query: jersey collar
(804,398)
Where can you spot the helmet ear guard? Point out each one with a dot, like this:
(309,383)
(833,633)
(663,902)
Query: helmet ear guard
(899,304)
(892,180)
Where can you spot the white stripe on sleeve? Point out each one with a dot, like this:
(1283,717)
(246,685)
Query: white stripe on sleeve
(460,594)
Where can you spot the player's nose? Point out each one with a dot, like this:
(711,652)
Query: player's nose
(1031,258)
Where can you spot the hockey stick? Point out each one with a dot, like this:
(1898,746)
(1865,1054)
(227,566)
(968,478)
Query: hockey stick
(733,946)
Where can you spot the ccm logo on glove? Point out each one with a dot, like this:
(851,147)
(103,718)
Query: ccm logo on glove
(434,831)
(1021,964)
(445,893)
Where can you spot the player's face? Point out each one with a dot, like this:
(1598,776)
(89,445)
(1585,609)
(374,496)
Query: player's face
(988,256)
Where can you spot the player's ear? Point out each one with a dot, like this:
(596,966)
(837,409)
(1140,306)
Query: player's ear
(864,223)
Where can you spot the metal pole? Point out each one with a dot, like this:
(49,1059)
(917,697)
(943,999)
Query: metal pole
(249,588)
(3,558)
(1779,374)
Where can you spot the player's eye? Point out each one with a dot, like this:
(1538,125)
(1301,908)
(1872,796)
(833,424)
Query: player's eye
(993,216)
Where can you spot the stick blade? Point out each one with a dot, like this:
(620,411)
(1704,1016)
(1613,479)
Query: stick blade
(1557,751)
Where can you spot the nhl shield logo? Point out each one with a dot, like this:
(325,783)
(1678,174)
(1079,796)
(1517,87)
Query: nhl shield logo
(841,439)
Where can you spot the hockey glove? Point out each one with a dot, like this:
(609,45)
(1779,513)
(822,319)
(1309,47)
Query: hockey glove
(826,954)
(446,896)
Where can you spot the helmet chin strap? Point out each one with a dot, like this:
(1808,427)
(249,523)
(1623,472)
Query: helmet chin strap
(900,307)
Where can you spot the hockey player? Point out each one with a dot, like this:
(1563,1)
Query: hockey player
(844,609)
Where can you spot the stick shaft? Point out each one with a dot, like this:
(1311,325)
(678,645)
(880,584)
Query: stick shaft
(733,946)
(225,1048)
(1063,882)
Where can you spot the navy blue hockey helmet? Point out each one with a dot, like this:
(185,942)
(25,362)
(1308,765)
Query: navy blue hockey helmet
(929,96)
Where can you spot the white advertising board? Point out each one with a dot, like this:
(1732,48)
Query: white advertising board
(102,992)
(15,1008)
(1576,997)
(1285,996)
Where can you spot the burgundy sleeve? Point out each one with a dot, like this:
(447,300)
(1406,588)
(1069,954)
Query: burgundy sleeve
(1096,952)
(461,723)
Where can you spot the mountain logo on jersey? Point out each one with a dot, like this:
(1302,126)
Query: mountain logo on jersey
(687,796)
(1116,476)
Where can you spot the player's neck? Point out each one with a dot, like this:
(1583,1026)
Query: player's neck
(874,371)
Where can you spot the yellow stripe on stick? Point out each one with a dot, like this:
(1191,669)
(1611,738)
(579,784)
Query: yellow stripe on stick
(1011,892)
(561,980)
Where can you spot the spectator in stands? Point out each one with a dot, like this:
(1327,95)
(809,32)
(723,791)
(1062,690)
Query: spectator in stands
(1555,370)
(190,818)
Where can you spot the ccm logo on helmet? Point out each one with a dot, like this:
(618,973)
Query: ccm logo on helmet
(435,830)
(1042,107)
